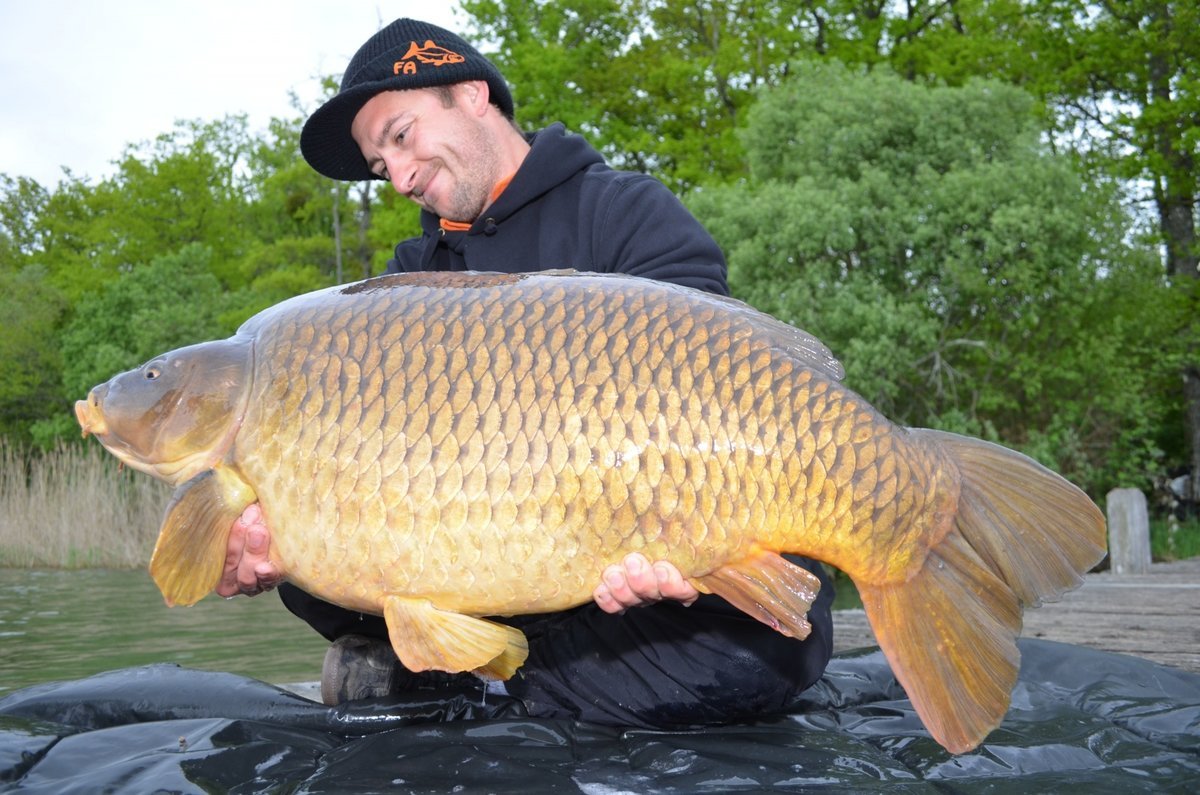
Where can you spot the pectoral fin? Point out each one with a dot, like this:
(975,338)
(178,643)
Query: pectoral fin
(769,588)
(426,637)
(190,553)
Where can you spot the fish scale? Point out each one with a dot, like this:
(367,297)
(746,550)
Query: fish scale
(559,357)
(439,448)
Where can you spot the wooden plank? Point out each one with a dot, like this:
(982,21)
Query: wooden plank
(1155,616)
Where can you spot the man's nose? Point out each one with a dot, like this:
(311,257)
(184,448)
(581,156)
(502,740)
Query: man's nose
(402,173)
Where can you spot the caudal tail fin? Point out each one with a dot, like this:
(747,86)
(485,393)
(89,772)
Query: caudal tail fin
(1022,535)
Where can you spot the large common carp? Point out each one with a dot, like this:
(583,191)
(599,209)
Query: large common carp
(440,447)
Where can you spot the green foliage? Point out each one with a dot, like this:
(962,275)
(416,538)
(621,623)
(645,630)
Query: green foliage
(1130,72)
(275,272)
(1171,539)
(29,357)
(290,201)
(182,187)
(394,219)
(22,202)
(969,278)
(656,85)
(174,301)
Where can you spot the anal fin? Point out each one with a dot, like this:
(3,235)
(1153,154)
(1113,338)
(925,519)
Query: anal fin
(426,637)
(769,588)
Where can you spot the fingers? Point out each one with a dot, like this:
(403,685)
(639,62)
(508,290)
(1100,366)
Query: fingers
(672,585)
(248,568)
(227,586)
(635,582)
(613,594)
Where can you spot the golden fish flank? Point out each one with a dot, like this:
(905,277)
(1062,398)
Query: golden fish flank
(441,447)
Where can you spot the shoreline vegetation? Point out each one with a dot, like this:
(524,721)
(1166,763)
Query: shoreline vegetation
(75,507)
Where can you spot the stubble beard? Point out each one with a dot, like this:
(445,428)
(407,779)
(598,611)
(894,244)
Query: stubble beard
(477,177)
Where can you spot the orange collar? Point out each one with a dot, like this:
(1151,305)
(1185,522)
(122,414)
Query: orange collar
(459,226)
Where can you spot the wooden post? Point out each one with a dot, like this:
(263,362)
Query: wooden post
(1128,531)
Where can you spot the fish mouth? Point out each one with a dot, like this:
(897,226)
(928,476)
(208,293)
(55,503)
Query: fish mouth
(89,417)
(91,420)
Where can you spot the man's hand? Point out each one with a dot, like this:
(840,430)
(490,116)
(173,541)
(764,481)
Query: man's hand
(248,566)
(635,583)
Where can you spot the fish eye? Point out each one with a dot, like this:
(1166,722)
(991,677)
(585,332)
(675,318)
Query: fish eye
(153,371)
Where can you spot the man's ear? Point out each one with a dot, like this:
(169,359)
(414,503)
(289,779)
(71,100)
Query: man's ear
(476,93)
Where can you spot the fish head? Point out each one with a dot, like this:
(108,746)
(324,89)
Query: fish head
(177,414)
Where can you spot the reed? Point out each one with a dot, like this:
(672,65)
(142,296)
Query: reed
(73,507)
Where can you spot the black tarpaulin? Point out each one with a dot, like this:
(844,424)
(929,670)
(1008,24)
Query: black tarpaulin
(1081,720)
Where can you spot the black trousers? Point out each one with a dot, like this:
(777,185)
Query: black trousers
(664,666)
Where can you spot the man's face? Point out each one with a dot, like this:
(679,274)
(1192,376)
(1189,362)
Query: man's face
(437,153)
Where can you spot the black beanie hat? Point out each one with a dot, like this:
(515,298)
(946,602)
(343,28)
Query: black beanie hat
(406,54)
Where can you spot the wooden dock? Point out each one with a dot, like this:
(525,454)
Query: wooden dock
(1155,616)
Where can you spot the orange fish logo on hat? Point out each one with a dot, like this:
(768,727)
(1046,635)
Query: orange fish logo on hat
(430,54)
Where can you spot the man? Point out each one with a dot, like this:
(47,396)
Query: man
(422,109)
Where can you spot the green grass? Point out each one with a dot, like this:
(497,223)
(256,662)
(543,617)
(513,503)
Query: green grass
(1171,539)
(845,595)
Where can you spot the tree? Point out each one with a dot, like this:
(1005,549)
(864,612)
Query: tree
(969,278)
(185,186)
(174,301)
(1119,85)
(302,211)
(22,202)
(657,85)
(29,357)
(661,86)
(1125,77)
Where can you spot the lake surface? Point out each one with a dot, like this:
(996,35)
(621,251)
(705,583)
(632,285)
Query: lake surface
(60,625)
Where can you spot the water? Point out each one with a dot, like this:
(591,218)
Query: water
(60,625)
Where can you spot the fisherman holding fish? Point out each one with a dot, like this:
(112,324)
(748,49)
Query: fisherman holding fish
(432,450)
(422,109)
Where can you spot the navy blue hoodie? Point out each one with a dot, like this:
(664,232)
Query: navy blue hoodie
(566,208)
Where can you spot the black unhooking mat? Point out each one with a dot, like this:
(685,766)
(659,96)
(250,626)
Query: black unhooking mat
(1081,721)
